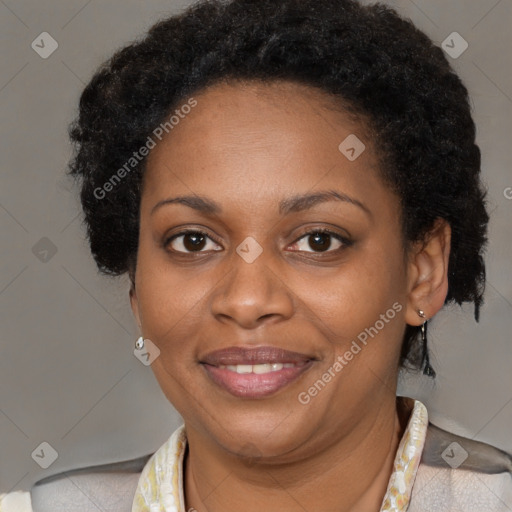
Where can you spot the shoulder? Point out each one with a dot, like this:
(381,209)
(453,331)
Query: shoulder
(104,487)
(460,474)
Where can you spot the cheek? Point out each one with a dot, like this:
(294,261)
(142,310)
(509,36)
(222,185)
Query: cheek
(170,299)
(352,297)
(171,305)
(361,310)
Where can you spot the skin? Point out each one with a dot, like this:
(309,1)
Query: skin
(247,146)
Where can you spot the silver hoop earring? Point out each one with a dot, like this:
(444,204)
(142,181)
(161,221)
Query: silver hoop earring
(139,344)
(427,369)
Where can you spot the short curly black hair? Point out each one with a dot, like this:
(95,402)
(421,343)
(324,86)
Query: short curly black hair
(367,56)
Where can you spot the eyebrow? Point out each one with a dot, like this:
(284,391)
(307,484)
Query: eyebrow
(295,203)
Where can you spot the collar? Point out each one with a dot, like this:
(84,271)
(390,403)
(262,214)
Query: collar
(160,487)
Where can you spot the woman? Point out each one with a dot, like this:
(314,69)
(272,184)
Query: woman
(300,196)
(294,190)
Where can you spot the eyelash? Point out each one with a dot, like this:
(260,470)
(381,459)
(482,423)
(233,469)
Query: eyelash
(344,241)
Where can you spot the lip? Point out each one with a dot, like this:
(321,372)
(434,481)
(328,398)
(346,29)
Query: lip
(254,385)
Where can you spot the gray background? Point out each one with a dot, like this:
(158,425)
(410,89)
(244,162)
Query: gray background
(68,375)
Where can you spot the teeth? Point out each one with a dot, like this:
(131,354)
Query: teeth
(262,368)
(243,368)
(258,368)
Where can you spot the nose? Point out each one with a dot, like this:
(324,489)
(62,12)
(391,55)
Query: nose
(252,293)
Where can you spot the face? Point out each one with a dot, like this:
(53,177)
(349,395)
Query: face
(276,291)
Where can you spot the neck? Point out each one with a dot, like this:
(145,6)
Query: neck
(350,476)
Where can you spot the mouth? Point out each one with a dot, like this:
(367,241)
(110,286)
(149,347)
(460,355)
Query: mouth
(258,369)
(256,372)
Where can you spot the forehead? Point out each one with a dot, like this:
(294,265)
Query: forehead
(262,140)
(226,107)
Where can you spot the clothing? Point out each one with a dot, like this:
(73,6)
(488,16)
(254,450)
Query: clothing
(414,485)
(105,488)
(421,481)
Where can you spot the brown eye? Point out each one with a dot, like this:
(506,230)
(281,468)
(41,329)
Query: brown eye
(190,241)
(320,240)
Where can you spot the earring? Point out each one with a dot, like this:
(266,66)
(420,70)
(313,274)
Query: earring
(139,344)
(427,370)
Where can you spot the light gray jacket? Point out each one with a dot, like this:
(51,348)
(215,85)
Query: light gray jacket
(482,482)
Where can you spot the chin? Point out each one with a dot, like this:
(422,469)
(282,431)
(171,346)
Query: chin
(273,433)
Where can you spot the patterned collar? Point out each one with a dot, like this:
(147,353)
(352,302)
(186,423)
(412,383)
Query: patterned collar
(160,487)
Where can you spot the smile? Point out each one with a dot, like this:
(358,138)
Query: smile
(259,369)
(253,381)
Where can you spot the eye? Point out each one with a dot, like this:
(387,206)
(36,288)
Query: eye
(189,241)
(195,241)
(321,240)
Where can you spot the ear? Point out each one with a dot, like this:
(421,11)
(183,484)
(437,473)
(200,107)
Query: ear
(134,303)
(428,273)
